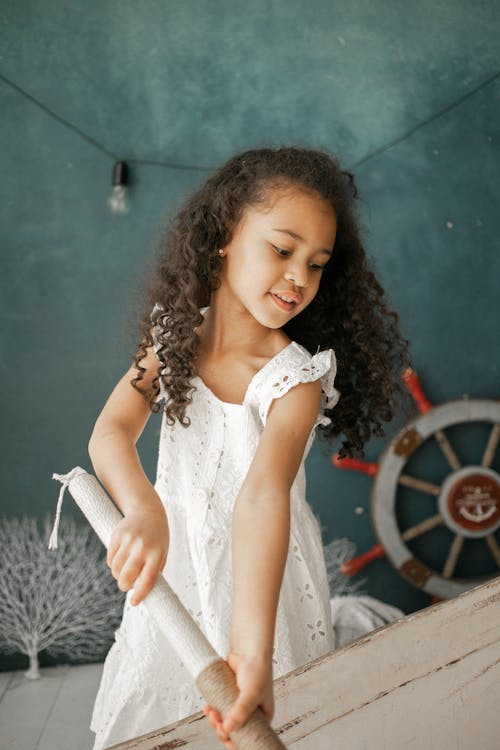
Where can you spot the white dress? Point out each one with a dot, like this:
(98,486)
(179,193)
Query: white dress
(144,684)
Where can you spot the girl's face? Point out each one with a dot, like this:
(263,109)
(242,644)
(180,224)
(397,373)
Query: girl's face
(280,248)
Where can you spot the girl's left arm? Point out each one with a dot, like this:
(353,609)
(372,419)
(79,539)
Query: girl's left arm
(260,539)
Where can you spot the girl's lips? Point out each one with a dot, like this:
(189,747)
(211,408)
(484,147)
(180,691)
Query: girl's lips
(282,304)
(290,294)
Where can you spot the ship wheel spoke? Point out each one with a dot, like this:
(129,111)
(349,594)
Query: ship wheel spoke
(493,545)
(491,446)
(448,451)
(453,554)
(422,527)
(419,484)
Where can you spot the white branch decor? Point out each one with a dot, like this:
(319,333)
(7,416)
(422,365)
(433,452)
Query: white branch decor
(336,553)
(64,601)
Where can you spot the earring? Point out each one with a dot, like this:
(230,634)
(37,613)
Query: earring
(221,251)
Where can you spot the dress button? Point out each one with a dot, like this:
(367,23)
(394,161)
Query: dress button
(201,494)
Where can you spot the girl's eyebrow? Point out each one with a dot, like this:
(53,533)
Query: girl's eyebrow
(298,237)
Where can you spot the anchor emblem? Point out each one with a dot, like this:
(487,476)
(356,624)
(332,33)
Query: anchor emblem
(477,505)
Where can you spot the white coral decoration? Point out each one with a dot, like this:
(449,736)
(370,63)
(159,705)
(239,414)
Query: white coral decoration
(336,553)
(64,601)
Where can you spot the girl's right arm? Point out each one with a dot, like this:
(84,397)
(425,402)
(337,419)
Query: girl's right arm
(138,546)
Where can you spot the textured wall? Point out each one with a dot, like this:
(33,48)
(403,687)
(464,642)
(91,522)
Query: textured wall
(406,95)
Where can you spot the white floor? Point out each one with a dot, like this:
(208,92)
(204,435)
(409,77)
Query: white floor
(52,713)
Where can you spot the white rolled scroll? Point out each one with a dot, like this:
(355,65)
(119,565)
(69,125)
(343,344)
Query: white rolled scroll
(212,675)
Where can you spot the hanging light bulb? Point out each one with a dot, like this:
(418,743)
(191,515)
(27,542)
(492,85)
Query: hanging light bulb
(118,200)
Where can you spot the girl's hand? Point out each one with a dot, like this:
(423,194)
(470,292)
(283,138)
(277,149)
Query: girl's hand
(254,678)
(138,549)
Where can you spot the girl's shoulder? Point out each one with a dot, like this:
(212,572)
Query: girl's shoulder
(292,365)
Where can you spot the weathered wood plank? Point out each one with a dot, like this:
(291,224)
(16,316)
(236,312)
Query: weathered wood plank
(429,680)
(442,709)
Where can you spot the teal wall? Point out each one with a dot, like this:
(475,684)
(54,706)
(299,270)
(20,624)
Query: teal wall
(406,94)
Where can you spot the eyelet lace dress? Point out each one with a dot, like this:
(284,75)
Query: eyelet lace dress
(144,683)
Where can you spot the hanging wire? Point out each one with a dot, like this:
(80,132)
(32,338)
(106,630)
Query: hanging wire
(202,168)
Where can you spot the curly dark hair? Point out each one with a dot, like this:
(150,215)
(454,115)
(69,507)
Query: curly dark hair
(349,312)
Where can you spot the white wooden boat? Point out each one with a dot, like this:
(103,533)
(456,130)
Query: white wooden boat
(429,681)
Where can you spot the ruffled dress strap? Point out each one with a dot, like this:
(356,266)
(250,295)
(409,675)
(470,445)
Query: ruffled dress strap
(297,365)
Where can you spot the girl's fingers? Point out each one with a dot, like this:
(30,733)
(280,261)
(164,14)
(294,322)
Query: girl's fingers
(112,548)
(129,573)
(212,721)
(221,734)
(239,714)
(144,583)
(119,560)
(212,712)
(215,720)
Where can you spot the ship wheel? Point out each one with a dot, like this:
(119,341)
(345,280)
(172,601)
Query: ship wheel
(467,502)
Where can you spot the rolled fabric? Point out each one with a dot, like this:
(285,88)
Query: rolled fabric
(213,676)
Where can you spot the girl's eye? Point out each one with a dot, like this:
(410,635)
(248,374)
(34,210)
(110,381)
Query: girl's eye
(286,253)
(280,250)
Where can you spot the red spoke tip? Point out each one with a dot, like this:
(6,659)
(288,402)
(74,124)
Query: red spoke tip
(355,464)
(414,386)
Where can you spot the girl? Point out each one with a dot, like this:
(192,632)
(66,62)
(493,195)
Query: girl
(261,291)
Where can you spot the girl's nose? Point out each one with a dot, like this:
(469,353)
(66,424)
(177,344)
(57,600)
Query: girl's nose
(297,276)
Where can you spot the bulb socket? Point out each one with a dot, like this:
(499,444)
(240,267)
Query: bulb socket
(120,173)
